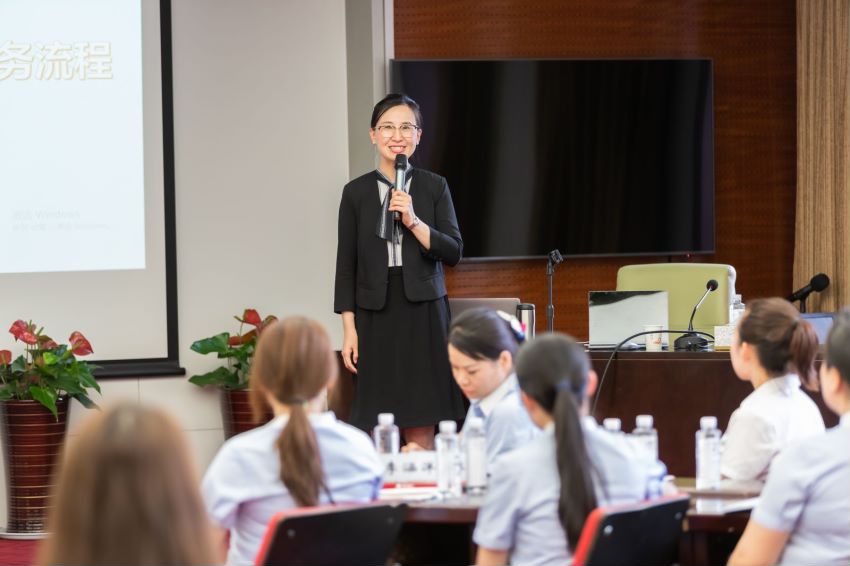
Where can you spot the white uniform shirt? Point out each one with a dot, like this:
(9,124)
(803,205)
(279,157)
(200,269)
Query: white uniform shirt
(520,511)
(506,422)
(771,417)
(242,487)
(808,494)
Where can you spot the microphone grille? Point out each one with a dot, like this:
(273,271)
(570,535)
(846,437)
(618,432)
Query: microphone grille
(819,282)
(711,285)
(401,161)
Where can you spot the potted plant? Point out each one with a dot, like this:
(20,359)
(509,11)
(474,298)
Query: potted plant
(34,392)
(232,378)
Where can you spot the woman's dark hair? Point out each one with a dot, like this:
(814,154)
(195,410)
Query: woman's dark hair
(294,361)
(838,345)
(784,342)
(552,369)
(391,101)
(483,334)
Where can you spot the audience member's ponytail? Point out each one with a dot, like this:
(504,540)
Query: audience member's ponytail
(552,369)
(294,363)
(784,341)
(578,497)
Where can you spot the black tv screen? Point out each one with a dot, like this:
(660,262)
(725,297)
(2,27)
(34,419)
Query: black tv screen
(590,157)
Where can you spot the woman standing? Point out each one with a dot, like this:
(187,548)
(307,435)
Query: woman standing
(390,288)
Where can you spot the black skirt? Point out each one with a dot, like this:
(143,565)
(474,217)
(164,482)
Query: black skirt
(403,366)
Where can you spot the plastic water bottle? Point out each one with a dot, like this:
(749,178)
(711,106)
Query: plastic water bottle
(646,435)
(449,466)
(385,434)
(708,454)
(476,456)
(736,309)
(612,425)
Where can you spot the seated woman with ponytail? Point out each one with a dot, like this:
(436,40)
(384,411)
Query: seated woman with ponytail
(302,457)
(541,493)
(774,349)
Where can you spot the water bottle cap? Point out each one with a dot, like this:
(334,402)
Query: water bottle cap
(473,423)
(708,423)
(386,419)
(644,421)
(612,424)
(448,426)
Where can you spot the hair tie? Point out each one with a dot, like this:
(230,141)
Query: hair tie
(295,401)
(564,385)
(515,325)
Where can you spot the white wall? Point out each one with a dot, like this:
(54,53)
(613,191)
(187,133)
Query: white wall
(261,152)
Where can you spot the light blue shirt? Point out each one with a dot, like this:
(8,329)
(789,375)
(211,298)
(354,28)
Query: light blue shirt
(242,487)
(625,471)
(506,422)
(808,495)
(520,511)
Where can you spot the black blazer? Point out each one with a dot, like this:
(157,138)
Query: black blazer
(361,256)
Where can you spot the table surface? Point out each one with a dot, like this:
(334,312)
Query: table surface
(707,511)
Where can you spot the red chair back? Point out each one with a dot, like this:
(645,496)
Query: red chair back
(332,534)
(647,532)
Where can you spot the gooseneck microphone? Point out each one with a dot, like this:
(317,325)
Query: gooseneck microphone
(817,284)
(691,341)
(400,168)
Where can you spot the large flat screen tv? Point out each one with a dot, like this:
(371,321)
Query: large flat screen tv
(590,157)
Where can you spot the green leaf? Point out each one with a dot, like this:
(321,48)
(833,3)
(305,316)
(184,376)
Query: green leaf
(220,377)
(19,365)
(217,343)
(87,379)
(45,397)
(50,359)
(85,401)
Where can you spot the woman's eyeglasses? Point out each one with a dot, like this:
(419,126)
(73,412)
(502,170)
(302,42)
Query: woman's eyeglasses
(387,131)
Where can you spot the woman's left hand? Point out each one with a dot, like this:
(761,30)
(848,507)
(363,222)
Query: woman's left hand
(401,202)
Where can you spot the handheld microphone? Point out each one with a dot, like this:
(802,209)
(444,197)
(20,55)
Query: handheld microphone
(691,341)
(818,283)
(400,168)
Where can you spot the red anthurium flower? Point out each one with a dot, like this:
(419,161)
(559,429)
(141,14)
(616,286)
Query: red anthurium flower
(29,338)
(5,357)
(24,332)
(18,328)
(247,337)
(234,341)
(79,344)
(251,316)
(49,344)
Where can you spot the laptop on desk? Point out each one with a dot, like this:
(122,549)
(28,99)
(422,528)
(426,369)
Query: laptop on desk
(613,316)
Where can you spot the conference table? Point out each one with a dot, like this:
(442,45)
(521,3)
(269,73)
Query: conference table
(440,531)
(676,388)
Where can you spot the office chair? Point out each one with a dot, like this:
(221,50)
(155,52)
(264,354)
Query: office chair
(641,533)
(332,534)
(685,284)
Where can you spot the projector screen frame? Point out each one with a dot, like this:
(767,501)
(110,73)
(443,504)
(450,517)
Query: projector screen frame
(169,365)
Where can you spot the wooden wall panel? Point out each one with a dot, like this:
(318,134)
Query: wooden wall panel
(754,51)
